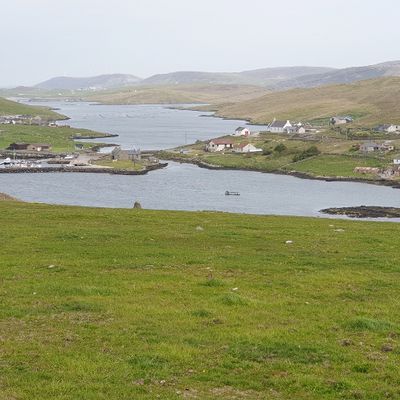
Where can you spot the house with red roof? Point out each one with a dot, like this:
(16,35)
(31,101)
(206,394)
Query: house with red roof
(246,148)
(219,145)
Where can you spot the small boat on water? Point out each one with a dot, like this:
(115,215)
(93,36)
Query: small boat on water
(228,193)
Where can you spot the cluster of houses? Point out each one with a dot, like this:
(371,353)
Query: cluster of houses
(23,120)
(225,144)
(37,147)
(215,145)
(286,127)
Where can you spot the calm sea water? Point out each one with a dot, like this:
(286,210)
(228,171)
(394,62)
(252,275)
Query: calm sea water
(183,186)
(148,127)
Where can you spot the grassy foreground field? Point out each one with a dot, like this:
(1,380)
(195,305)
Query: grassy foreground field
(118,304)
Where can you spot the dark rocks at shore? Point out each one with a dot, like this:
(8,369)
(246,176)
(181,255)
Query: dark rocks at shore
(91,170)
(364,212)
(6,197)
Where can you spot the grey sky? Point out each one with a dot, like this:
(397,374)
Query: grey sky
(46,38)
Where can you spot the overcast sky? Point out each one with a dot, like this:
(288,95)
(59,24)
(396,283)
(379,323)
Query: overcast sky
(46,38)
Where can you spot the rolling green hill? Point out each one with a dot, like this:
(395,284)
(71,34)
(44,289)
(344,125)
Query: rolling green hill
(179,94)
(8,107)
(370,102)
(137,304)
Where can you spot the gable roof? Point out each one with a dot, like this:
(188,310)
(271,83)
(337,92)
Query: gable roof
(220,141)
(240,128)
(278,124)
(242,145)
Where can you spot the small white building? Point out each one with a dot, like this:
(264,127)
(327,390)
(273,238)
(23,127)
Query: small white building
(219,145)
(396,161)
(339,120)
(280,126)
(246,148)
(240,131)
(388,128)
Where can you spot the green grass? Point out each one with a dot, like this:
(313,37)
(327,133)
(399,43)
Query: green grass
(120,164)
(335,165)
(255,162)
(137,304)
(8,107)
(60,138)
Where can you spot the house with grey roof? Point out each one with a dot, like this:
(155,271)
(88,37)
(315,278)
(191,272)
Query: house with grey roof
(341,120)
(125,155)
(280,126)
(387,128)
(241,131)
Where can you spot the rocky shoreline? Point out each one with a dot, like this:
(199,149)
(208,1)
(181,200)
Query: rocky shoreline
(296,174)
(364,212)
(96,170)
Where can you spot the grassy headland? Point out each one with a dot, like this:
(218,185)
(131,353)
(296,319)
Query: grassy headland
(61,138)
(117,304)
(8,107)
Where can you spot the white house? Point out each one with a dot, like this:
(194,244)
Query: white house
(388,128)
(339,120)
(369,147)
(279,126)
(219,145)
(396,161)
(240,131)
(246,148)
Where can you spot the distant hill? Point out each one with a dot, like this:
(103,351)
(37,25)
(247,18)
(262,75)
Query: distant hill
(369,101)
(8,107)
(260,77)
(345,75)
(100,82)
(179,94)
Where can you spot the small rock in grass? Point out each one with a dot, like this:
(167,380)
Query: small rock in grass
(339,230)
(387,348)
(235,288)
(346,342)
(289,241)
(199,228)
(51,266)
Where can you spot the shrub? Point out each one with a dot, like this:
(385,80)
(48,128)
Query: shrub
(354,147)
(280,148)
(310,152)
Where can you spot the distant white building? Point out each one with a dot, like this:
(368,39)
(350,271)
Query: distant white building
(280,126)
(240,131)
(339,120)
(246,148)
(388,128)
